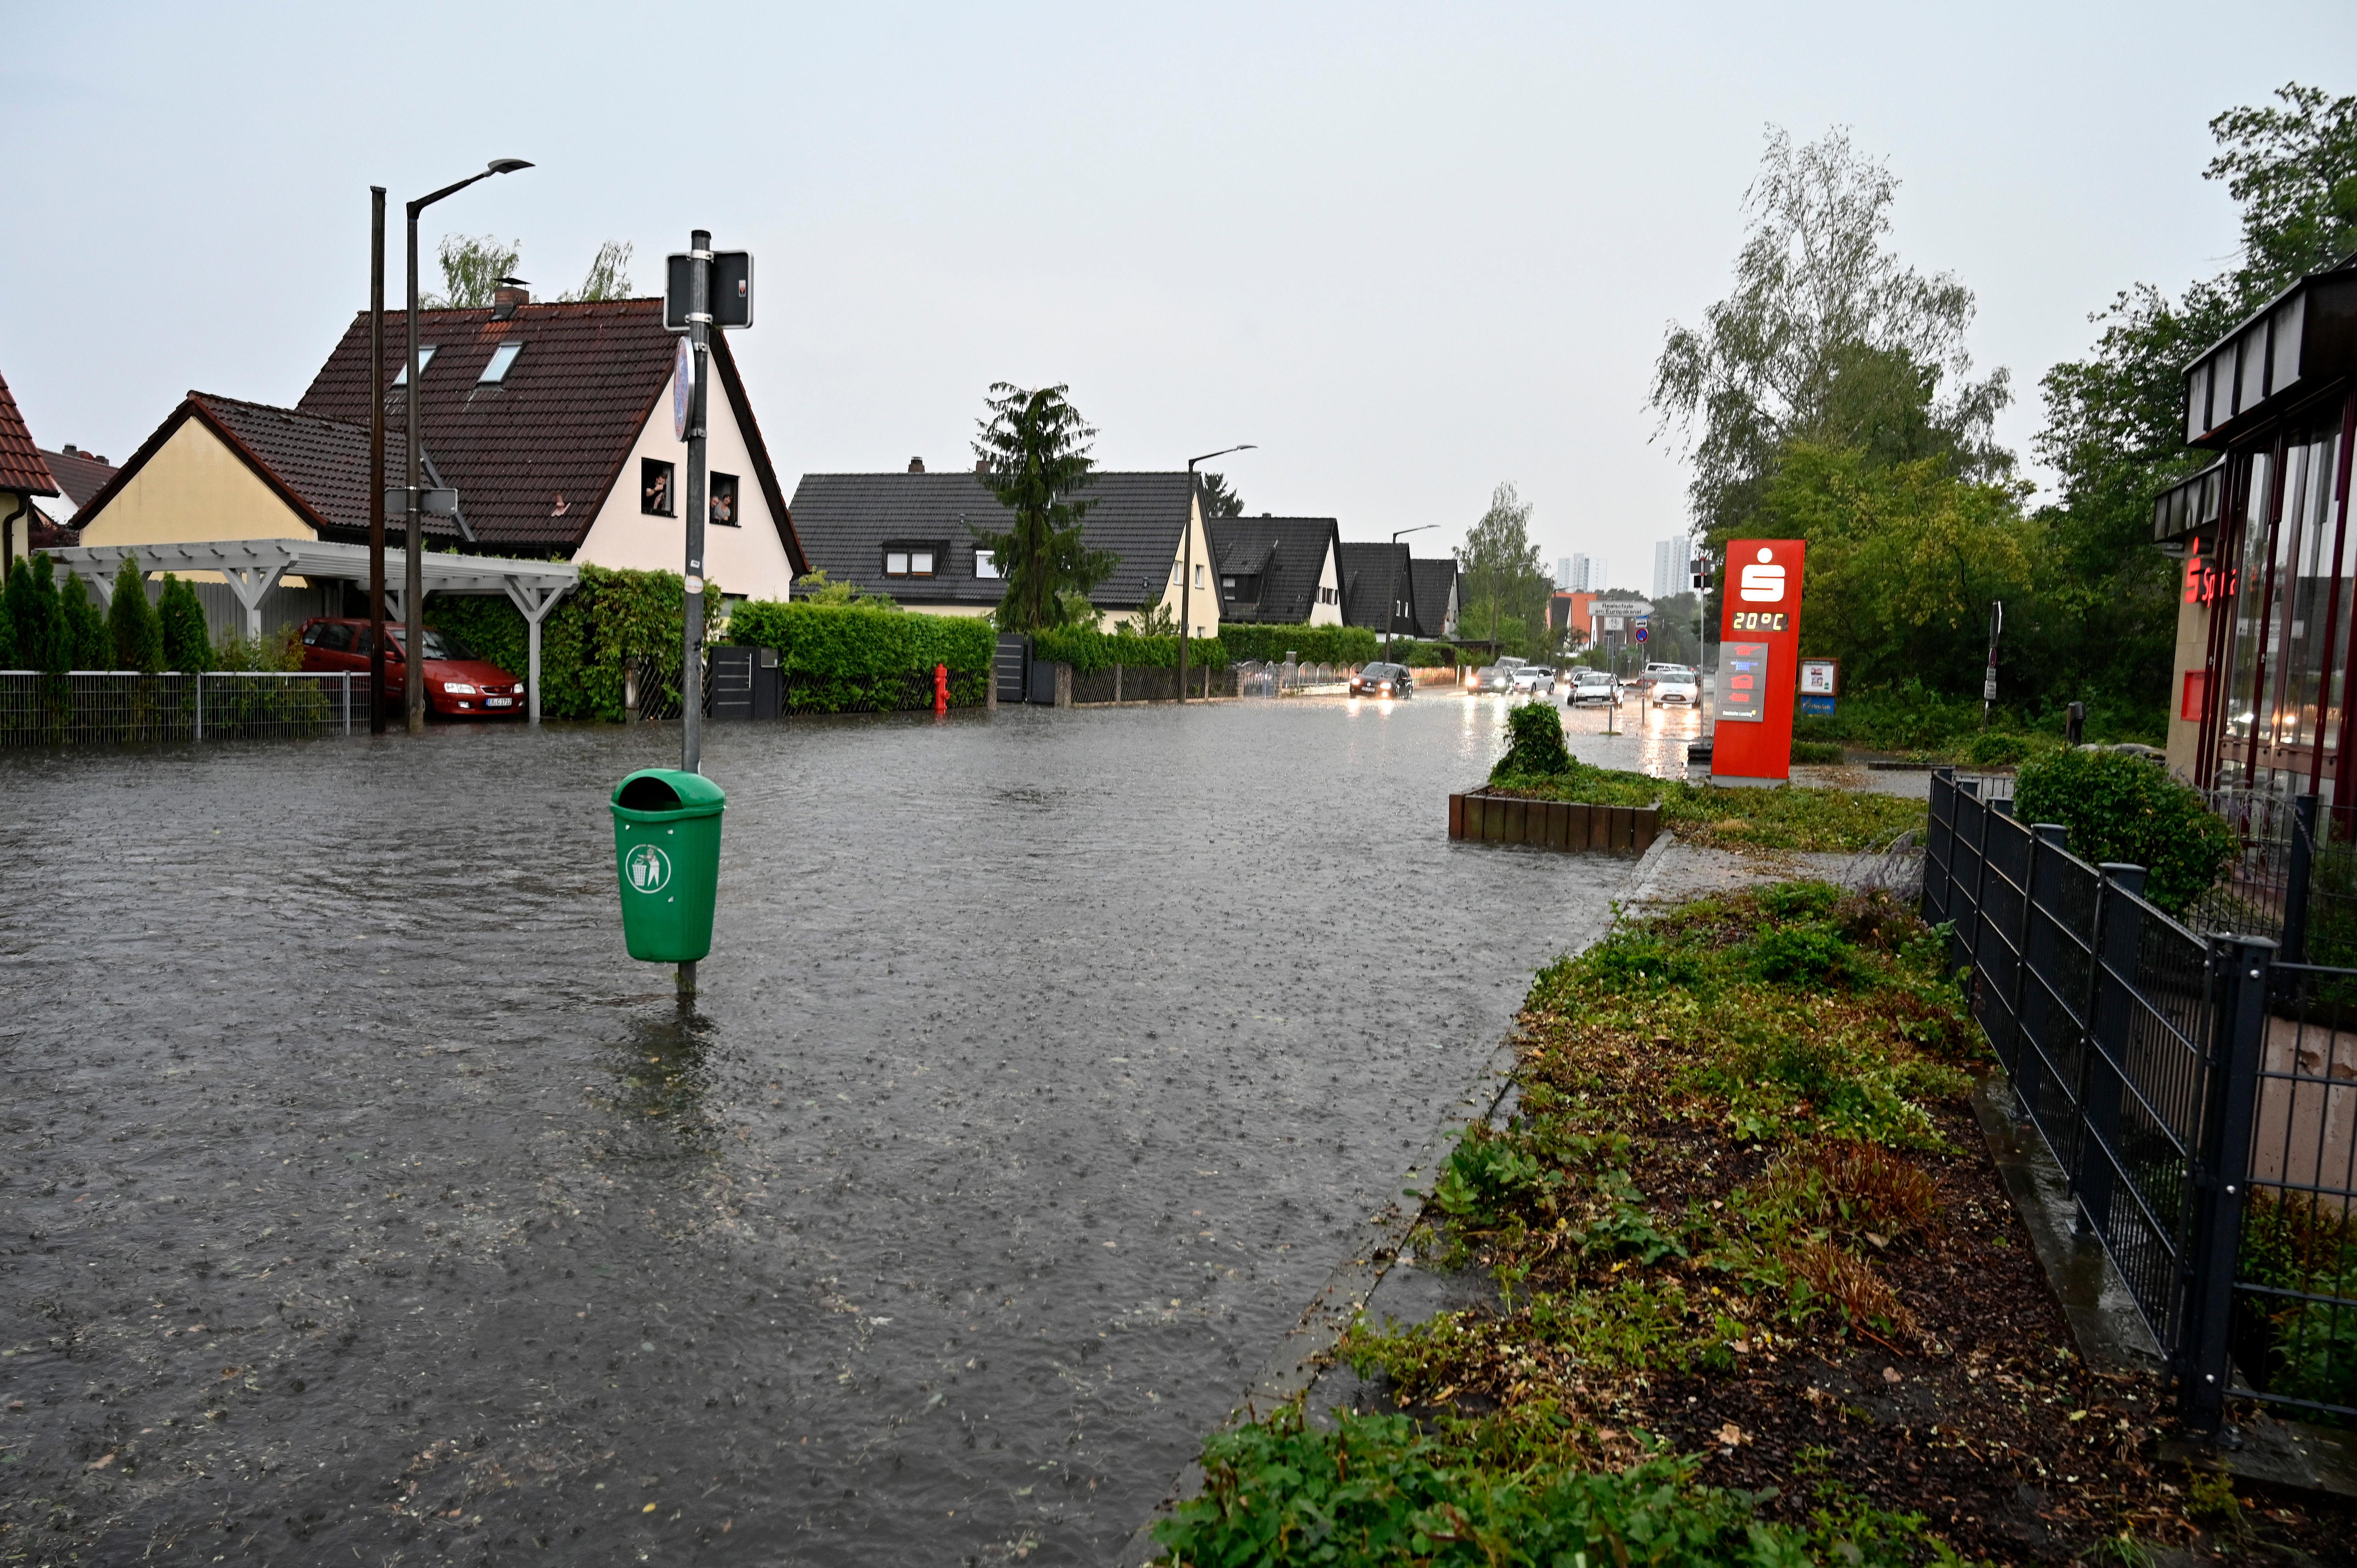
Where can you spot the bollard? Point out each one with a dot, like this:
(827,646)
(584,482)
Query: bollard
(941,689)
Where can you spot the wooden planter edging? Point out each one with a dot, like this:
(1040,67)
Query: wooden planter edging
(1552,824)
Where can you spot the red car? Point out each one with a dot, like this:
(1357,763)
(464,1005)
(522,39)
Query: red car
(458,685)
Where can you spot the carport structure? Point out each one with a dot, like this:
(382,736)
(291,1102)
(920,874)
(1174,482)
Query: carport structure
(251,567)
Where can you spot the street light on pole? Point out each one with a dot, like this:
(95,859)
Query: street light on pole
(413,582)
(1391,611)
(1186,561)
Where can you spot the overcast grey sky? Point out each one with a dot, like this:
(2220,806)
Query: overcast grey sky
(1410,251)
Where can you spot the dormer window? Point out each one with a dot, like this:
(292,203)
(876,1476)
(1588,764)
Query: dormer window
(424,357)
(911,560)
(502,358)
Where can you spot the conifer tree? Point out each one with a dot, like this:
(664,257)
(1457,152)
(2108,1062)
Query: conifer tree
(88,644)
(187,646)
(131,622)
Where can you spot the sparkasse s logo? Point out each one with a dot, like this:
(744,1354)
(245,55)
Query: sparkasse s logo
(1763,580)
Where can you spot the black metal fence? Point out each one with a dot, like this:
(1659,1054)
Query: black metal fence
(2199,1091)
(86,707)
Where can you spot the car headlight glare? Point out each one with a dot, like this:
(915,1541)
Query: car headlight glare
(458,689)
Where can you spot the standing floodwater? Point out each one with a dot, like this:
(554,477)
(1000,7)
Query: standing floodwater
(360,1201)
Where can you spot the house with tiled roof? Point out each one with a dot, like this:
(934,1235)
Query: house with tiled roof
(1279,570)
(552,422)
(910,535)
(1378,588)
(1436,584)
(24,478)
(80,475)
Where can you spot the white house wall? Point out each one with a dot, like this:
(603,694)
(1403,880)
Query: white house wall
(1329,580)
(1205,601)
(749,560)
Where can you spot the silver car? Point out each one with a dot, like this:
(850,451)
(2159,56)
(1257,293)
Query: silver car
(1591,686)
(1534,680)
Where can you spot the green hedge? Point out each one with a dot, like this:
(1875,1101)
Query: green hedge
(1087,651)
(612,617)
(2120,807)
(1311,644)
(839,657)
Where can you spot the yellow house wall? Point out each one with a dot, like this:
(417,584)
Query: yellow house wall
(193,489)
(1205,601)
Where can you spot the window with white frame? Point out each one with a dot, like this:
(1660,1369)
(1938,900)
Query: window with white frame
(985,564)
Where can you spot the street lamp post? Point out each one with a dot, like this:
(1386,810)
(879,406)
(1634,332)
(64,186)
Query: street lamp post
(413,582)
(1390,610)
(1186,561)
(376,459)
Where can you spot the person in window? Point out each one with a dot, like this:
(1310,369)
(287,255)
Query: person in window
(722,508)
(658,496)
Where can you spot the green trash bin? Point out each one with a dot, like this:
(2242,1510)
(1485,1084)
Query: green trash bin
(667,861)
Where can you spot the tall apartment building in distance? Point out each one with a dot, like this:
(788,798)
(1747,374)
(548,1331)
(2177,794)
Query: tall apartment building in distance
(1563,574)
(1670,570)
(1581,574)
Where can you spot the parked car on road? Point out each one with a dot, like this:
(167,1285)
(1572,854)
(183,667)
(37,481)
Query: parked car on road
(459,683)
(1532,679)
(1383,680)
(1590,686)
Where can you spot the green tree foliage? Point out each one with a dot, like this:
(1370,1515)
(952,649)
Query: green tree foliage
(608,277)
(1220,497)
(13,609)
(1035,459)
(39,634)
(1535,747)
(131,621)
(818,588)
(180,618)
(1086,650)
(1903,558)
(2114,421)
(2119,807)
(472,266)
(1506,589)
(1827,337)
(86,634)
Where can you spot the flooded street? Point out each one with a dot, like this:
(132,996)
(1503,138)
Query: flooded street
(360,1201)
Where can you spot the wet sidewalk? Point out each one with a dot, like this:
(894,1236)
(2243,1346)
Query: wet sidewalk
(359,1196)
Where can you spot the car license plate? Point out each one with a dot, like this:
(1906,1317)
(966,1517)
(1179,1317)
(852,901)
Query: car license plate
(499,702)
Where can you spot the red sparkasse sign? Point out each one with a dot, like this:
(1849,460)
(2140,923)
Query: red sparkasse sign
(1758,662)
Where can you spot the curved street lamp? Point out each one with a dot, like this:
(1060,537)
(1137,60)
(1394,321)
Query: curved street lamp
(1186,561)
(412,590)
(1391,612)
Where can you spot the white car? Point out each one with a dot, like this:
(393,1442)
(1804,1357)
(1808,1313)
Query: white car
(1674,684)
(1591,686)
(1531,680)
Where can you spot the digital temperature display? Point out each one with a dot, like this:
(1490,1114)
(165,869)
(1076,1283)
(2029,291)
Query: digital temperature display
(1758,620)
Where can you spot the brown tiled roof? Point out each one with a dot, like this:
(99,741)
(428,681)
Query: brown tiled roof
(21,468)
(533,457)
(316,465)
(78,473)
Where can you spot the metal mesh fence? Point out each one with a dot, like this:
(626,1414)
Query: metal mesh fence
(103,707)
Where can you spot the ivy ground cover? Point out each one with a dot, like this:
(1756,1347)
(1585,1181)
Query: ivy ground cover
(1757,1295)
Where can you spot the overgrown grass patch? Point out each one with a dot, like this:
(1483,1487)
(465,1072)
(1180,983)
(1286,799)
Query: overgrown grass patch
(1790,818)
(1742,1226)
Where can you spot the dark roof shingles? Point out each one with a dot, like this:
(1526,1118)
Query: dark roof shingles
(1290,551)
(78,473)
(843,520)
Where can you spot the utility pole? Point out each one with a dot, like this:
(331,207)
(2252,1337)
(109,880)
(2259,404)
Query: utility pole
(691,654)
(376,459)
(1988,679)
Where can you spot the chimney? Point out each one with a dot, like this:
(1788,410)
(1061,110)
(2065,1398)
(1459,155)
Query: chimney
(69,450)
(915,464)
(506,299)
(982,464)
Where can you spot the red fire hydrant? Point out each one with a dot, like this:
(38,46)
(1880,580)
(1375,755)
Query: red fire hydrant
(941,688)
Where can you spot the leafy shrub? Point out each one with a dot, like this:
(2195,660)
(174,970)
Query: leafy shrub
(1817,753)
(587,641)
(1998,748)
(1086,650)
(1487,1173)
(1310,644)
(1804,900)
(838,657)
(2119,807)
(1626,960)
(1809,955)
(1374,1490)
(1535,747)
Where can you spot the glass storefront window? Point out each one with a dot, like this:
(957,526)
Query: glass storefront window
(2238,703)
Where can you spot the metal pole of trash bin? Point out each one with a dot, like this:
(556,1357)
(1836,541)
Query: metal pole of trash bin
(691,656)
